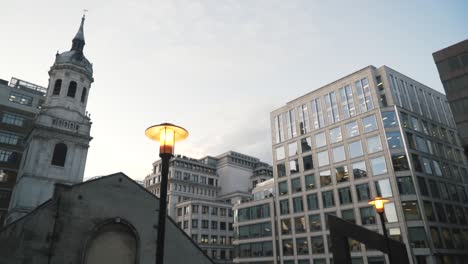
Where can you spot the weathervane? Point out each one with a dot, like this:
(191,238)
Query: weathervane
(84,12)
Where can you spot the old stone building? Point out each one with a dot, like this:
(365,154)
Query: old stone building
(111,219)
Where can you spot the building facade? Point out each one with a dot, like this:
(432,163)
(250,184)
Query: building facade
(20,102)
(375,132)
(201,193)
(452,63)
(57,146)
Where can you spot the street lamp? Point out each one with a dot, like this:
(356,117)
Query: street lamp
(379,203)
(167,135)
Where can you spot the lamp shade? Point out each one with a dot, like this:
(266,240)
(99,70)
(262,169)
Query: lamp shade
(379,202)
(166,134)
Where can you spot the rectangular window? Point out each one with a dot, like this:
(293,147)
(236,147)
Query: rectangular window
(400,162)
(362,192)
(361,97)
(315,223)
(317,245)
(320,140)
(374,144)
(355,149)
(302,246)
(292,149)
(411,210)
(278,128)
(306,144)
(367,215)
(378,165)
(328,199)
(394,140)
(325,178)
(323,159)
(286,227)
(352,129)
(335,135)
(293,166)
(384,189)
(332,108)
(288,248)
(296,185)
(280,153)
(13,119)
(423,186)
(345,195)
(317,114)
(20,98)
(303,119)
(312,202)
(281,170)
(359,170)
(417,237)
(284,207)
(405,185)
(338,154)
(309,181)
(341,174)
(348,215)
(8,156)
(283,188)
(389,119)
(369,123)
(291,124)
(298,205)
(307,162)
(8,138)
(299,224)
(429,210)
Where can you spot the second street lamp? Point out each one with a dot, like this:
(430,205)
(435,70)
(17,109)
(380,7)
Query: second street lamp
(379,204)
(166,134)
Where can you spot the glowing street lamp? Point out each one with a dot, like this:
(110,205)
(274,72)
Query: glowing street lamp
(167,135)
(379,204)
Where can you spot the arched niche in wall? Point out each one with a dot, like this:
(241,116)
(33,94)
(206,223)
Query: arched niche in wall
(113,242)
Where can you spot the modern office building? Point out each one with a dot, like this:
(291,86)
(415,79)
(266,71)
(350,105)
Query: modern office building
(452,63)
(201,193)
(20,102)
(375,132)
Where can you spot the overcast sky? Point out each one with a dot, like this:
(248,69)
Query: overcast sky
(217,68)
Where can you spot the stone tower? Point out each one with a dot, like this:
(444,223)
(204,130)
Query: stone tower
(57,146)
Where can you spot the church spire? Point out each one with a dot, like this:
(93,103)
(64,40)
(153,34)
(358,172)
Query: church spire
(79,41)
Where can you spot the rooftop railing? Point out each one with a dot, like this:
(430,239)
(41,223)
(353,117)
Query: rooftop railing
(20,84)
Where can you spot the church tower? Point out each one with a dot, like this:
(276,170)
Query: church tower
(57,146)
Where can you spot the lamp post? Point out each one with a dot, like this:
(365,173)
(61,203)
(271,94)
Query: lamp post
(379,203)
(166,134)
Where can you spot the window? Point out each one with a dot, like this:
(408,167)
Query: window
(367,215)
(315,223)
(293,166)
(222,225)
(400,162)
(369,123)
(362,192)
(307,162)
(296,185)
(302,246)
(389,119)
(411,210)
(422,186)
(280,153)
(312,202)
(417,237)
(57,87)
(8,138)
(378,165)
(299,225)
(394,140)
(323,159)
(306,144)
(335,135)
(352,129)
(194,223)
(281,170)
(83,95)
(214,225)
(405,185)
(286,226)
(363,92)
(13,119)
(440,211)
(317,245)
(320,140)
(325,178)
(205,224)
(347,103)
(71,89)
(410,139)
(298,205)
(283,188)
(390,212)
(355,149)
(8,156)
(303,119)
(292,149)
(309,181)
(436,237)
(348,215)
(339,154)
(205,209)
(317,114)
(60,155)
(204,239)
(341,174)
(284,207)
(384,189)
(20,98)
(332,108)
(288,248)
(374,144)
(421,144)
(328,199)
(345,195)
(359,170)
(290,123)
(429,210)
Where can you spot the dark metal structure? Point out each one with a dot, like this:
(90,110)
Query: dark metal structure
(341,230)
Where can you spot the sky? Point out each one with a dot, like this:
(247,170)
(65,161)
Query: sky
(216,67)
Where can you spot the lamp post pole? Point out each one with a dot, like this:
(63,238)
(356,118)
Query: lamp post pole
(382,221)
(379,204)
(165,157)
